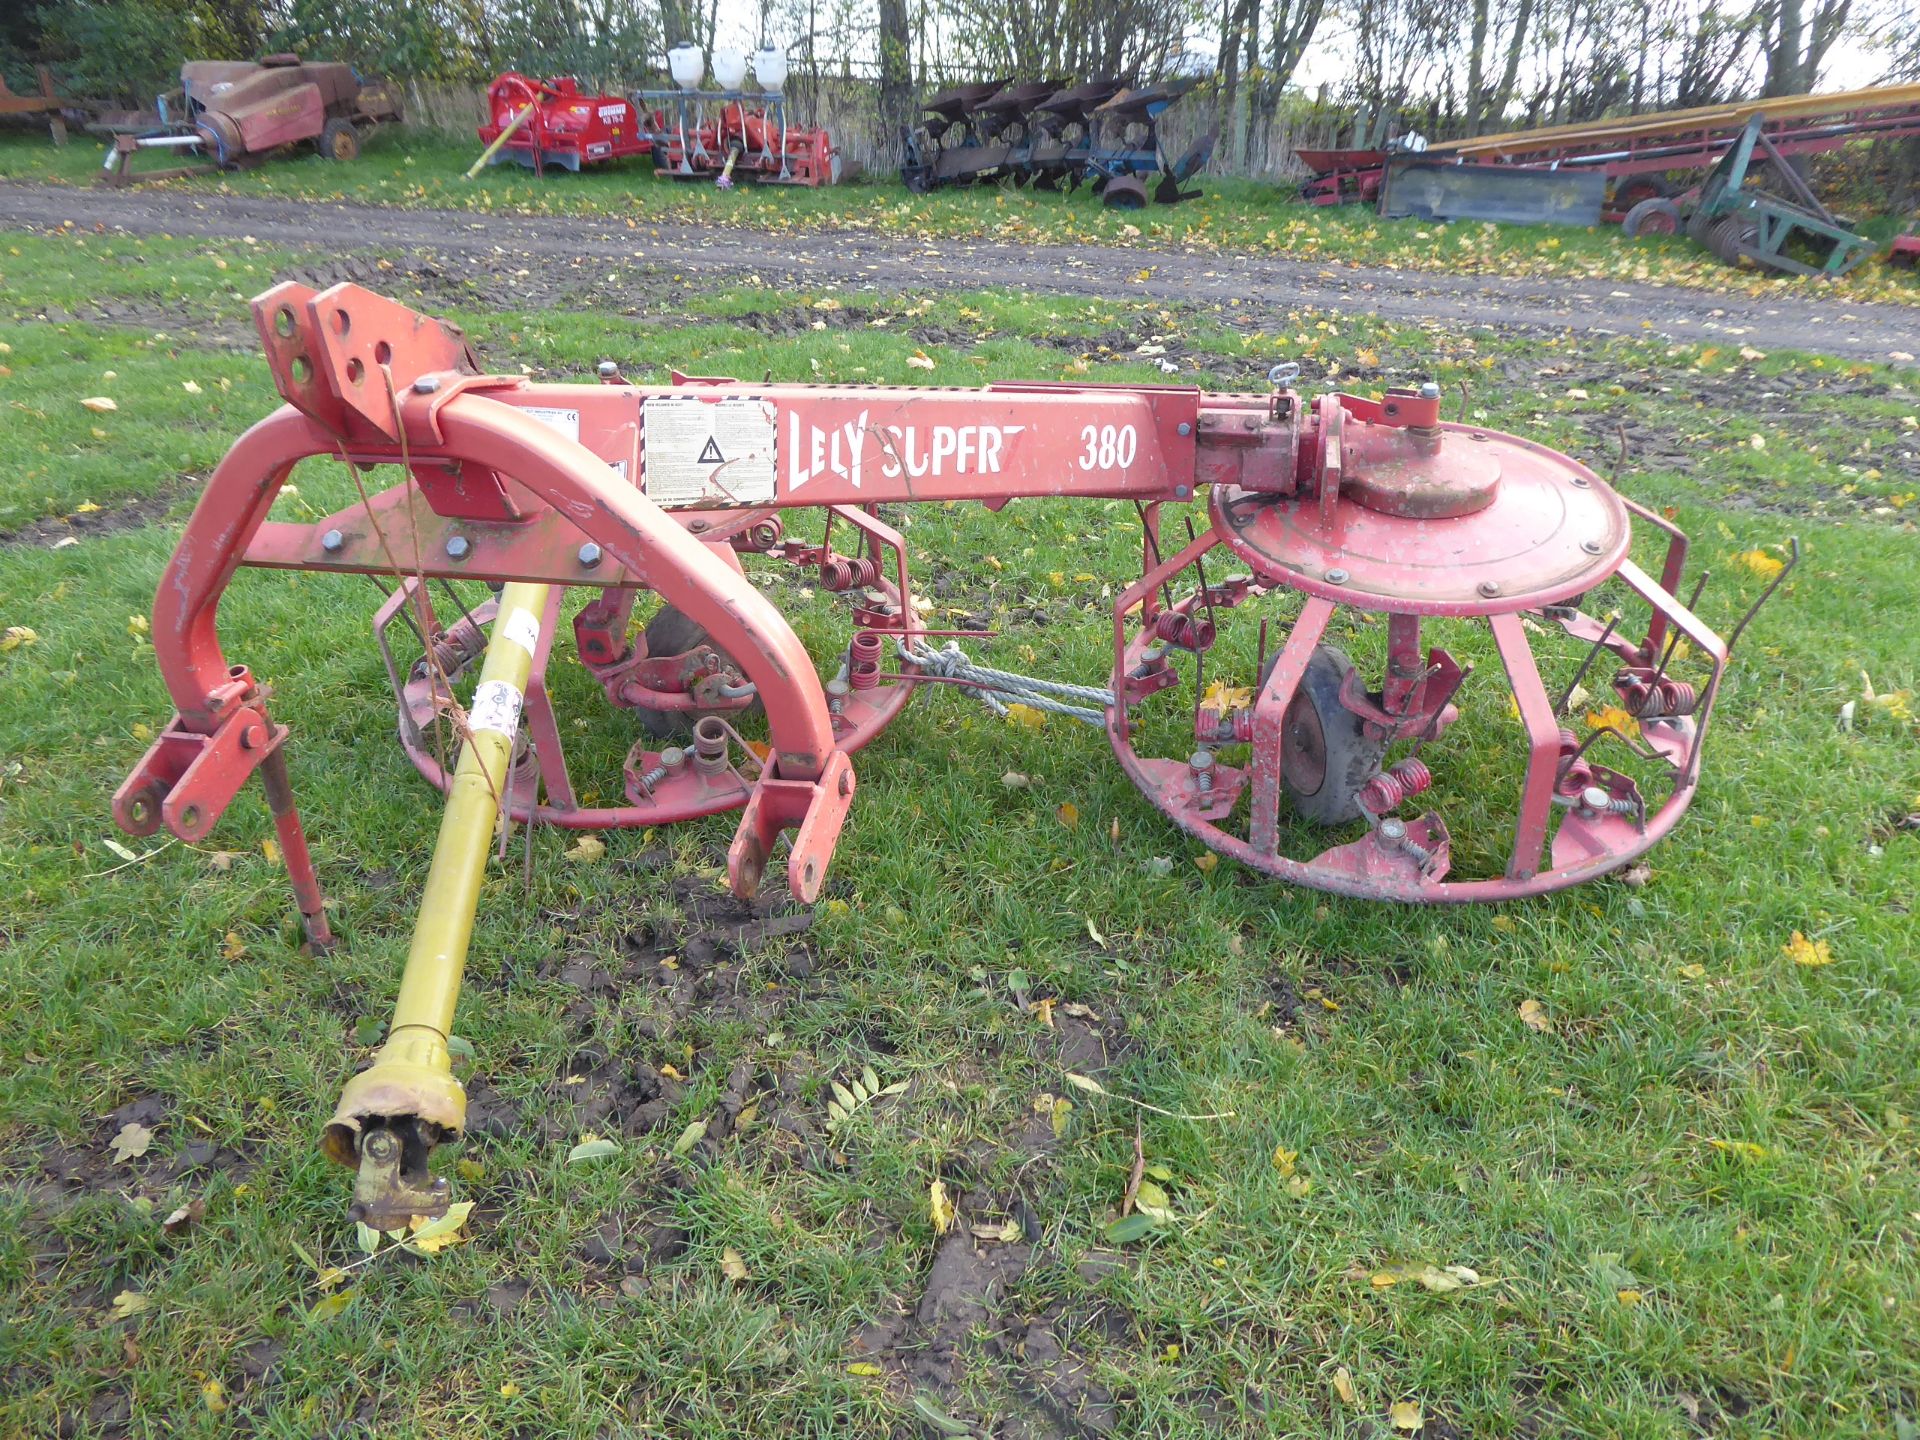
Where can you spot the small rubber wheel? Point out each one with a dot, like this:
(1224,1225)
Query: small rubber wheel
(339,140)
(1635,188)
(1657,216)
(1325,755)
(1124,193)
(674,632)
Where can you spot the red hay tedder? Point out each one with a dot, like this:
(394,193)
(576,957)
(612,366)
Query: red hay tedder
(1293,507)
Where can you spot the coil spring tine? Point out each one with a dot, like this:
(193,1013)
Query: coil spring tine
(1466,672)
(1199,683)
(1153,549)
(454,595)
(1200,573)
(405,612)
(1793,542)
(1586,664)
(1673,640)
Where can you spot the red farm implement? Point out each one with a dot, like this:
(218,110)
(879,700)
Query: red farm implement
(234,114)
(1334,519)
(538,123)
(1642,154)
(735,132)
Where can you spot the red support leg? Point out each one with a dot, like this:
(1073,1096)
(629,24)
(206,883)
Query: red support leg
(1269,722)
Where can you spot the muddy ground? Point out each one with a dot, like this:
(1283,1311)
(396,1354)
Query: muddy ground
(690,959)
(668,260)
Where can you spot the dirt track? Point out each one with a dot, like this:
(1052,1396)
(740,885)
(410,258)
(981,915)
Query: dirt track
(680,255)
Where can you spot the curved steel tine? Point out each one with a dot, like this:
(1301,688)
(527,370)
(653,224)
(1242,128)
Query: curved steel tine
(1793,545)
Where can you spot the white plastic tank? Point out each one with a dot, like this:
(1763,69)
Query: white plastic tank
(729,69)
(770,68)
(689,67)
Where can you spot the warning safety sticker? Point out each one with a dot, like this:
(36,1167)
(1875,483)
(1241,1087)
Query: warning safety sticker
(707,452)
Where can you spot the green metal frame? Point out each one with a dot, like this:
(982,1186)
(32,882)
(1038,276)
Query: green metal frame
(1738,221)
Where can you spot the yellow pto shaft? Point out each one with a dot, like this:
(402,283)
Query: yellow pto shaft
(502,138)
(392,1114)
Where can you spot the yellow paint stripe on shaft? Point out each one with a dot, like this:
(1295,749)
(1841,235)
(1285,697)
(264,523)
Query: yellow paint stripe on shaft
(437,959)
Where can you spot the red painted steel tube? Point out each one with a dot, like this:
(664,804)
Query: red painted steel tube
(660,555)
(655,550)
(1543,744)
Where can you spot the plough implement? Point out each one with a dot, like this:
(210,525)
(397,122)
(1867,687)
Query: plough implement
(1099,133)
(1310,510)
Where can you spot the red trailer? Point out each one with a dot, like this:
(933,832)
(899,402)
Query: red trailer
(1637,152)
(549,122)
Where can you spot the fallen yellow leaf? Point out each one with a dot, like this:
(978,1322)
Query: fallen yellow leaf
(1761,563)
(1343,1383)
(732,1266)
(1069,814)
(1810,953)
(18,636)
(1614,718)
(129,1303)
(329,1306)
(99,404)
(1406,1415)
(430,1237)
(1223,697)
(940,1206)
(1206,862)
(1061,1109)
(1534,1016)
(587,849)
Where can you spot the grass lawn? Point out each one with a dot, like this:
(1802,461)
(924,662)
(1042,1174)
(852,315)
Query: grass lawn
(1690,1191)
(401,166)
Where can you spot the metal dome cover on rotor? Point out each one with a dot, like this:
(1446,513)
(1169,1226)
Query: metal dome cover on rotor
(1546,529)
